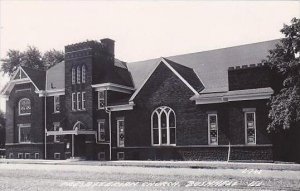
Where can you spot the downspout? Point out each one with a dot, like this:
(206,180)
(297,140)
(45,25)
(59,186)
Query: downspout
(228,156)
(107,110)
(45,113)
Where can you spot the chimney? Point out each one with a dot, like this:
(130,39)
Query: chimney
(109,45)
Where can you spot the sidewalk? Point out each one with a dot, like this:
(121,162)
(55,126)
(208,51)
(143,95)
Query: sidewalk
(164,164)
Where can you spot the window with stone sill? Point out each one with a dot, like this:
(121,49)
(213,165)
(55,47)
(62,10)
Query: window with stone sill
(250,127)
(163,123)
(24,133)
(212,129)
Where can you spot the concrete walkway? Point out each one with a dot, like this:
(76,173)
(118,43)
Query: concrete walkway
(164,164)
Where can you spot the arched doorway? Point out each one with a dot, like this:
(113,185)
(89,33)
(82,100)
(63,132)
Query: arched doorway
(79,140)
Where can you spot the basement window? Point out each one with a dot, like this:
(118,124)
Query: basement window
(27,155)
(56,156)
(101,156)
(120,156)
(37,155)
(20,155)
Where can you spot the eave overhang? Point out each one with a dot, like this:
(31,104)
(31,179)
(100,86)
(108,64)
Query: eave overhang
(236,95)
(113,87)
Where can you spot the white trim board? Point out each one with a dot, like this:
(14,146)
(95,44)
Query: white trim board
(113,87)
(236,95)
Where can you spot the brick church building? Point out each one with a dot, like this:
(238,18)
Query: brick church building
(207,105)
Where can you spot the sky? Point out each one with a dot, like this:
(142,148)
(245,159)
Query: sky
(141,30)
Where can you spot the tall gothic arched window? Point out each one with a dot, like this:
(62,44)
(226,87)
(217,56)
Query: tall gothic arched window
(163,126)
(78,74)
(73,76)
(83,75)
(24,106)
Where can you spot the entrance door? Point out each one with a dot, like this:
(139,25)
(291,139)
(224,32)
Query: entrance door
(79,146)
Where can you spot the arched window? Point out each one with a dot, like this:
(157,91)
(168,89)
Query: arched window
(24,106)
(78,74)
(163,126)
(73,75)
(79,126)
(83,76)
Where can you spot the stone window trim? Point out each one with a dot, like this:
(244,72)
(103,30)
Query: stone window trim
(120,132)
(73,75)
(158,112)
(212,127)
(250,126)
(27,125)
(101,130)
(21,102)
(102,99)
(56,104)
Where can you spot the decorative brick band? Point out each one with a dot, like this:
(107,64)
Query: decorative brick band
(247,66)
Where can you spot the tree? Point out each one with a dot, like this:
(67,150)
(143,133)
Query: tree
(52,57)
(284,60)
(32,58)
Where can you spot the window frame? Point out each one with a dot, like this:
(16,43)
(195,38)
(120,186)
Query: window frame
(83,101)
(55,103)
(209,128)
(246,126)
(20,154)
(118,132)
(19,106)
(20,126)
(36,155)
(101,121)
(55,126)
(99,156)
(159,114)
(78,70)
(73,101)
(118,156)
(83,73)
(78,101)
(73,75)
(104,99)
(56,154)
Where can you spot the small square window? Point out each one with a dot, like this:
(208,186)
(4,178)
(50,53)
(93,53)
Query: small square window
(20,155)
(11,155)
(120,156)
(56,156)
(27,155)
(101,156)
(37,155)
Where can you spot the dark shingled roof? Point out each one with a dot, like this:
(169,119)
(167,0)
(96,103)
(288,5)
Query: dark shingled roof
(211,66)
(188,74)
(38,77)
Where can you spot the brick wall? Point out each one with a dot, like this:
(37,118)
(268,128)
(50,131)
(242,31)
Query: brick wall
(249,77)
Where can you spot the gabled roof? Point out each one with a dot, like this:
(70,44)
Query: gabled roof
(210,66)
(185,74)
(38,77)
(27,75)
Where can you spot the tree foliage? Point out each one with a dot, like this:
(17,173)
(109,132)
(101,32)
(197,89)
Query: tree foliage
(284,60)
(32,58)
